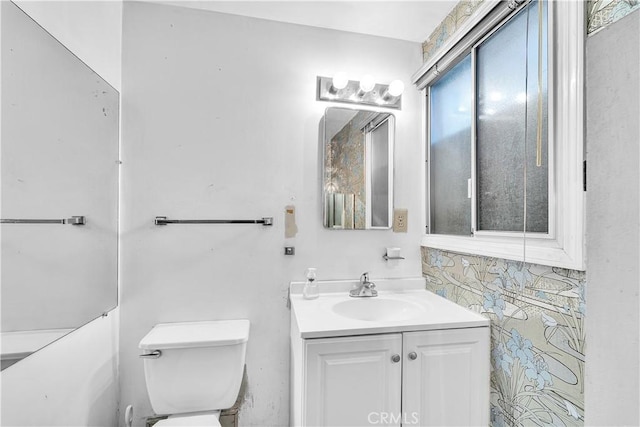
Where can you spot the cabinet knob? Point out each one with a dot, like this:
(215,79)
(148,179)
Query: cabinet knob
(395,358)
(413,355)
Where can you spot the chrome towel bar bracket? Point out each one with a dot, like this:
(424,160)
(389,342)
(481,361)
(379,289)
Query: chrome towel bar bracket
(162,220)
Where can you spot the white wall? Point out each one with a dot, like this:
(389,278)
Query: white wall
(72,382)
(92,30)
(613,225)
(220,120)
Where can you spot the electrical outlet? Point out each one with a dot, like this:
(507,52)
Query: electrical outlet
(400,220)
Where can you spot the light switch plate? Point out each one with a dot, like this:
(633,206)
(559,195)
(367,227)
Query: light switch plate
(400,220)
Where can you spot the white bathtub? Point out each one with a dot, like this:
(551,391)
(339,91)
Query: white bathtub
(15,346)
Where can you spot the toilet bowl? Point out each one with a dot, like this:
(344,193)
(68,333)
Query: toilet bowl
(194,369)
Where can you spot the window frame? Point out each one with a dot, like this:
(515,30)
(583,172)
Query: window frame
(563,245)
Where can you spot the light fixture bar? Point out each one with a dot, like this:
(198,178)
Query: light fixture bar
(353,94)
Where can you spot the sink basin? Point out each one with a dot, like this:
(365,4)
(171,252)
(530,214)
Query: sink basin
(377,309)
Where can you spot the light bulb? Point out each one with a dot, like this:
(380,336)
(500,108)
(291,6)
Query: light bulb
(367,83)
(396,88)
(340,80)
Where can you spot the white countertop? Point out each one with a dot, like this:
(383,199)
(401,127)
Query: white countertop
(317,319)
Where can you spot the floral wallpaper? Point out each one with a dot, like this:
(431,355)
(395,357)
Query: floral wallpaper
(600,13)
(604,12)
(537,335)
(460,13)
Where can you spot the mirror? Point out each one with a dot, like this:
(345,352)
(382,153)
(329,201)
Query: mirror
(59,160)
(358,169)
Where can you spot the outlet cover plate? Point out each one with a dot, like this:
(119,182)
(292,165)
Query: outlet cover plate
(400,220)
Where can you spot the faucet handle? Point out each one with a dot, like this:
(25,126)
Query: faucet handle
(364,277)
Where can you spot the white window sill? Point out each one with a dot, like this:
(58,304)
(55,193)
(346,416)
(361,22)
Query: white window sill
(543,251)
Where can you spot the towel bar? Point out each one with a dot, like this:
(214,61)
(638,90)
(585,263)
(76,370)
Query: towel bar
(162,220)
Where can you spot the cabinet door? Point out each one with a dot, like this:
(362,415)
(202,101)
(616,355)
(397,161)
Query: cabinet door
(446,377)
(352,381)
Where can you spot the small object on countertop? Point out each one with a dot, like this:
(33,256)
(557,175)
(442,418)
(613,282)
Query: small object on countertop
(310,290)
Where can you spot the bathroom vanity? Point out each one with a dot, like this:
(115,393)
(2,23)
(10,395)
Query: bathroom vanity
(405,357)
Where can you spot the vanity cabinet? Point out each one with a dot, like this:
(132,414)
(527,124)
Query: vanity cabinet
(421,378)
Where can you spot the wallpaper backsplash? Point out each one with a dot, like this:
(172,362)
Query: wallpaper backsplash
(600,13)
(537,332)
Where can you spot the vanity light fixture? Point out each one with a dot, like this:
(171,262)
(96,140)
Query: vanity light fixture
(365,91)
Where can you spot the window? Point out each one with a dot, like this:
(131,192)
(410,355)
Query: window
(510,118)
(450,151)
(508,109)
(505,138)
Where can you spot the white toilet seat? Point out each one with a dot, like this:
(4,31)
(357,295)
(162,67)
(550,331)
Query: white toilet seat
(208,419)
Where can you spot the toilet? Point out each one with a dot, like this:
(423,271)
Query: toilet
(193,370)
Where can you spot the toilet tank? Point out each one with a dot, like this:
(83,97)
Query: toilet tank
(200,366)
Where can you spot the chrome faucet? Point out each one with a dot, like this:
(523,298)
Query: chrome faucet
(366,288)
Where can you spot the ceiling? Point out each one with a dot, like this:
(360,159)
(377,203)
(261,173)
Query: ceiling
(405,20)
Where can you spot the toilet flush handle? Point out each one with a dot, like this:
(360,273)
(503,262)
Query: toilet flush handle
(153,355)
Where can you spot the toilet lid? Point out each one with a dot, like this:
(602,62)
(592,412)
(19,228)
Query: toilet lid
(210,419)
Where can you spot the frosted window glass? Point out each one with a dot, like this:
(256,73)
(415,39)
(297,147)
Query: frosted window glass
(450,150)
(507,97)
